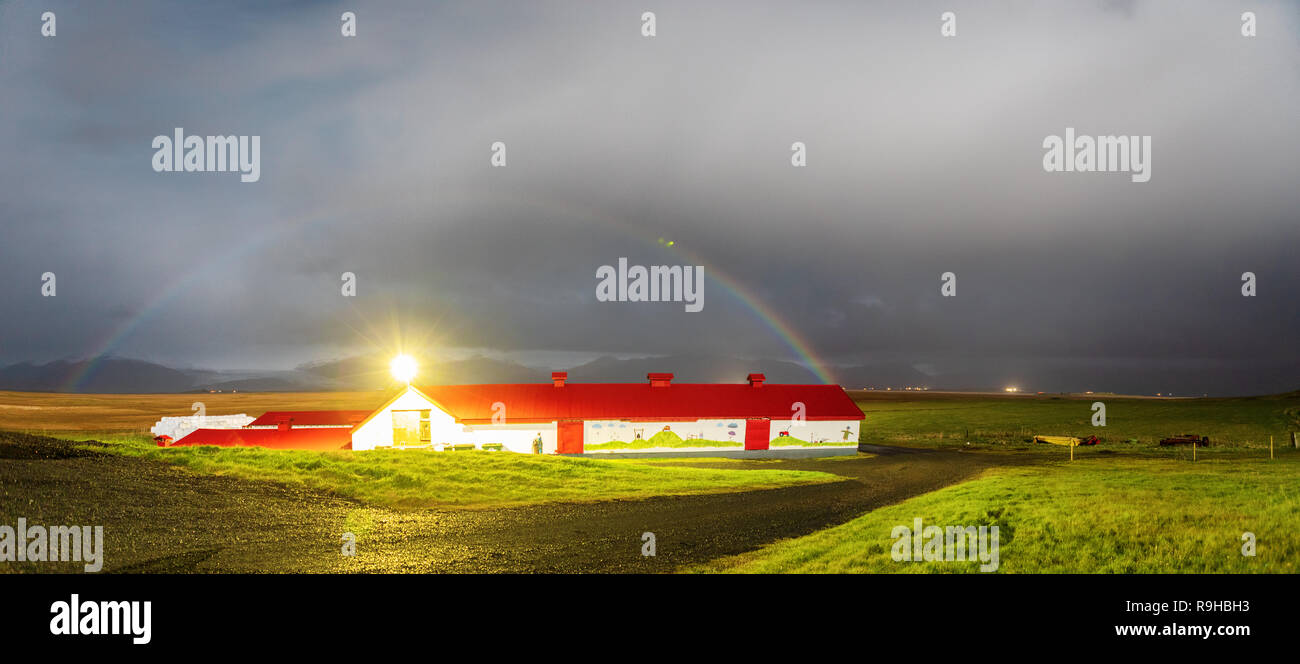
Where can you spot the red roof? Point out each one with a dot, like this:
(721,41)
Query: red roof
(640,401)
(292,439)
(310,418)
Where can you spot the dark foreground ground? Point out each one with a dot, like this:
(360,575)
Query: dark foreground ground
(158,518)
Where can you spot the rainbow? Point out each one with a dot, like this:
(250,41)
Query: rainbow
(104,348)
(784,330)
(765,313)
(769,317)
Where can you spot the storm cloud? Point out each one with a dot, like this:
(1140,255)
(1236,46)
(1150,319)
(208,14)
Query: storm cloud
(924,157)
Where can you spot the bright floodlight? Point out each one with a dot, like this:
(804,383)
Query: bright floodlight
(403,368)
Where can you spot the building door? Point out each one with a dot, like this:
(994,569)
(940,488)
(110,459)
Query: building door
(758,433)
(410,427)
(569,435)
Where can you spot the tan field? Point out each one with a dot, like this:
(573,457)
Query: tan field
(134,413)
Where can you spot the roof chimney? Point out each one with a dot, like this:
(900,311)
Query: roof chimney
(284,424)
(659,379)
(558,378)
(756,379)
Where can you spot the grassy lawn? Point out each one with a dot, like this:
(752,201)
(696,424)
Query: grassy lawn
(940,420)
(419,478)
(1099,515)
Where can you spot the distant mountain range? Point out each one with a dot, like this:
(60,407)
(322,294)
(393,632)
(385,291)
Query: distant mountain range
(110,375)
(115,375)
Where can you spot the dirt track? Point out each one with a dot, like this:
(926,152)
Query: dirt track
(158,518)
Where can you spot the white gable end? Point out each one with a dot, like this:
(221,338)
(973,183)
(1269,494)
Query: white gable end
(378,430)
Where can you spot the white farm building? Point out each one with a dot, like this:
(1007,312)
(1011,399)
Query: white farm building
(565,417)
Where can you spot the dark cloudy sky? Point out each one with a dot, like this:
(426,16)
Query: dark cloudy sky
(924,156)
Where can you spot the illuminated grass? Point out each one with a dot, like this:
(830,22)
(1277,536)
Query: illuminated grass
(420,478)
(1113,516)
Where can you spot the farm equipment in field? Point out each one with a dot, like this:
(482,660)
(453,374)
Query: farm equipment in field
(1067,440)
(163,440)
(1187,439)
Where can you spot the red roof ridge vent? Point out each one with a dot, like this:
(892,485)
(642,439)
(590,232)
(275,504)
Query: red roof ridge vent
(659,379)
(558,378)
(756,379)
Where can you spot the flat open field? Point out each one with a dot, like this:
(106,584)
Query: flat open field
(951,419)
(1120,507)
(37,412)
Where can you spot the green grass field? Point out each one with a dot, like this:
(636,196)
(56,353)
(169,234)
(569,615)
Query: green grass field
(1125,506)
(942,420)
(1103,515)
(415,478)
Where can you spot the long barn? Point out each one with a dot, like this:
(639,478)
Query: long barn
(567,416)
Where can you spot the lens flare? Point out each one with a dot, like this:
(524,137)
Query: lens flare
(403,368)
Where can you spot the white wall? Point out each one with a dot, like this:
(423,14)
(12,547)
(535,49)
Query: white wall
(181,426)
(604,431)
(515,437)
(378,432)
(818,431)
(305,426)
